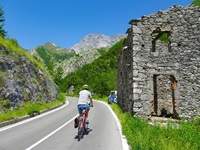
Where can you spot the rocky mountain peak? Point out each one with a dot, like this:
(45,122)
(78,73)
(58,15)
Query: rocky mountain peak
(48,43)
(91,41)
(52,46)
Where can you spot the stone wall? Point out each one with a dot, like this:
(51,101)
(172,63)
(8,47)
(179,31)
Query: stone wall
(159,67)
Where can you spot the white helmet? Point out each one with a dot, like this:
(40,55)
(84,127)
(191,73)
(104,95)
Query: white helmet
(85,86)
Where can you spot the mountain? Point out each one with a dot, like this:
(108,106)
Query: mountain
(51,51)
(78,61)
(51,55)
(100,75)
(22,78)
(90,48)
(91,41)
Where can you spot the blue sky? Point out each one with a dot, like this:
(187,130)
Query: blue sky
(66,22)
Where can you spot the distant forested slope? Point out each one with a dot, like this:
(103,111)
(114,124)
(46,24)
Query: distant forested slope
(100,75)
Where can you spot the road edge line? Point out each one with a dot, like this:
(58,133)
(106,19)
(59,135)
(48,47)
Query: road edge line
(123,137)
(27,119)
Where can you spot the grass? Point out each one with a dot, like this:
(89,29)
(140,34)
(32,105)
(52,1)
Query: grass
(143,136)
(31,108)
(12,46)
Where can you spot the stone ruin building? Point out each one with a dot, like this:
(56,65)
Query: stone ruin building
(159,67)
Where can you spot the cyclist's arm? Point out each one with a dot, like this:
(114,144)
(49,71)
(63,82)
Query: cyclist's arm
(91,102)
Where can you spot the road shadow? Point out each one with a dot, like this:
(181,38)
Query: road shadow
(87,131)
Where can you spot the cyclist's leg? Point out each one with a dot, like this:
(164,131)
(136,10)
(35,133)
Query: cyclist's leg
(83,107)
(80,109)
(87,117)
(80,123)
(87,108)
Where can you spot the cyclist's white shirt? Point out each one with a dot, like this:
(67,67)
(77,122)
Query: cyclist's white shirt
(84,96)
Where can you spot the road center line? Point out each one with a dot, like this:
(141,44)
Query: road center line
(46,137)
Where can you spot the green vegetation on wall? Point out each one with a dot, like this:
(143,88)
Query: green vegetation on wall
(196,3)
(164,37)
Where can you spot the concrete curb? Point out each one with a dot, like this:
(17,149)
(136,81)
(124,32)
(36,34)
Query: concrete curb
(9,122)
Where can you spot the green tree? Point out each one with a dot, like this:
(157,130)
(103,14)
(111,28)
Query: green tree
(58,75)
(2,19)
(196,3)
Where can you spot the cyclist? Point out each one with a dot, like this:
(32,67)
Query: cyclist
(84,100)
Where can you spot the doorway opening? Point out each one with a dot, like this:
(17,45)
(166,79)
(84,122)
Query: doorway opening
(165,102)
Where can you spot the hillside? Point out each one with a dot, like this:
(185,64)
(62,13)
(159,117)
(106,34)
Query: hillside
(100,75)
(78,61)
(22,78)
(51,55)
(64,61)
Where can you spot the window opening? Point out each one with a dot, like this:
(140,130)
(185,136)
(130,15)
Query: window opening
(160,42)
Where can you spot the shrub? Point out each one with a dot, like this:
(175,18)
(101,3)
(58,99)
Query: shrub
(32,108)
(61,97)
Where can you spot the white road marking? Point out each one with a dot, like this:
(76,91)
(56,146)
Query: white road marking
(46,137)
(123,138)
(36,117)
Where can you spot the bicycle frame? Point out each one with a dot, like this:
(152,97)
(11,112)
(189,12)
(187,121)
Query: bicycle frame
(82,124)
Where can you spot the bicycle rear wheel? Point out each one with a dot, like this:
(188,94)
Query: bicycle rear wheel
(80,128)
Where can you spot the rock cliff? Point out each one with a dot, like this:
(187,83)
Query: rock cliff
(22,80)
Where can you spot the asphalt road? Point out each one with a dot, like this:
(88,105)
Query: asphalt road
(55,131)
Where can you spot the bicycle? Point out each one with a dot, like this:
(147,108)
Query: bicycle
(82,126)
